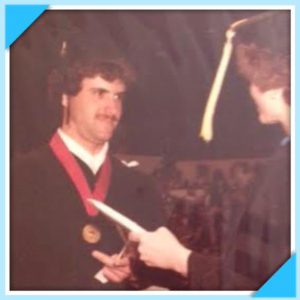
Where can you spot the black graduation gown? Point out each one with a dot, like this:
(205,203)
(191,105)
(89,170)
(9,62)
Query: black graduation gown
(261,242)
(47,217)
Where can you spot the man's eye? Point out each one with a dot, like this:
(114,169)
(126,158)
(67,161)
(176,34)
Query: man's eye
(100,93)
(119,97)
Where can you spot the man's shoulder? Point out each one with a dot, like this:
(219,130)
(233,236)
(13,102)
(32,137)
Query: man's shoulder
(142,202)
(32,170)
(33,158)
(125,167)
(125,173)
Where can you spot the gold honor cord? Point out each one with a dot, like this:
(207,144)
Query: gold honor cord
(206,131)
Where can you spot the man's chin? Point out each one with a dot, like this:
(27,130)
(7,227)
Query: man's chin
(103,138)
(266,121)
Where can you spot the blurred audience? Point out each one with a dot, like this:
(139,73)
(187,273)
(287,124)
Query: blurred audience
(201,210)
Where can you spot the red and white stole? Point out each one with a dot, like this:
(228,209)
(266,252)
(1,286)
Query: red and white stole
(75,173)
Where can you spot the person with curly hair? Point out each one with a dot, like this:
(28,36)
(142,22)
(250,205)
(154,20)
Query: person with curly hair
(260,244)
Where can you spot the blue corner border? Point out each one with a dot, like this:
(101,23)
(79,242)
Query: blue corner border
(282,283)
(16,17)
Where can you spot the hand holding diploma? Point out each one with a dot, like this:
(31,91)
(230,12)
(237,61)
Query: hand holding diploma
(161,249)
(116,267)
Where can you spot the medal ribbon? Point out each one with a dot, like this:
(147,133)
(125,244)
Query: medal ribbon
(75,173)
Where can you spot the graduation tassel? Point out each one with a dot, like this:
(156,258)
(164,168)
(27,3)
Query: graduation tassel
(206,131)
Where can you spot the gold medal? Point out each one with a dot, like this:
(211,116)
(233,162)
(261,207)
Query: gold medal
(91,234)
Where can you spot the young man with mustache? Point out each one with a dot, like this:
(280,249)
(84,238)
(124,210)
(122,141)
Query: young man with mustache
(55,232)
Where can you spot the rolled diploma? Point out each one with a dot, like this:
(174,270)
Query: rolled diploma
(117,217)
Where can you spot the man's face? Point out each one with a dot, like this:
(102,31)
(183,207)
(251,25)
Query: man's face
(269,104)
(94,112)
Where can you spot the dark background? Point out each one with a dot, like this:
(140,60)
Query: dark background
(175,54)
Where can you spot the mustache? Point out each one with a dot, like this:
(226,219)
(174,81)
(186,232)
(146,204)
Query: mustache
(108,117)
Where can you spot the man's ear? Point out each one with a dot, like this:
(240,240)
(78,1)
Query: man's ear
(65,100)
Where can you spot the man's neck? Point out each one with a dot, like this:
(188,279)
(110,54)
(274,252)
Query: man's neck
(286,122)
(287,129)
(91,147)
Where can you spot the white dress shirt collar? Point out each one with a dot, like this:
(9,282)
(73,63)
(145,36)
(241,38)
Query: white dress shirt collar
(94,162)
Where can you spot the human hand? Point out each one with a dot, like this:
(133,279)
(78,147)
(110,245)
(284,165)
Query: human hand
(161,249)
(116,268)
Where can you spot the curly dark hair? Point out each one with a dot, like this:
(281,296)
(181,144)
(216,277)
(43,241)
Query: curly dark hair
(67,78)
(263,68)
